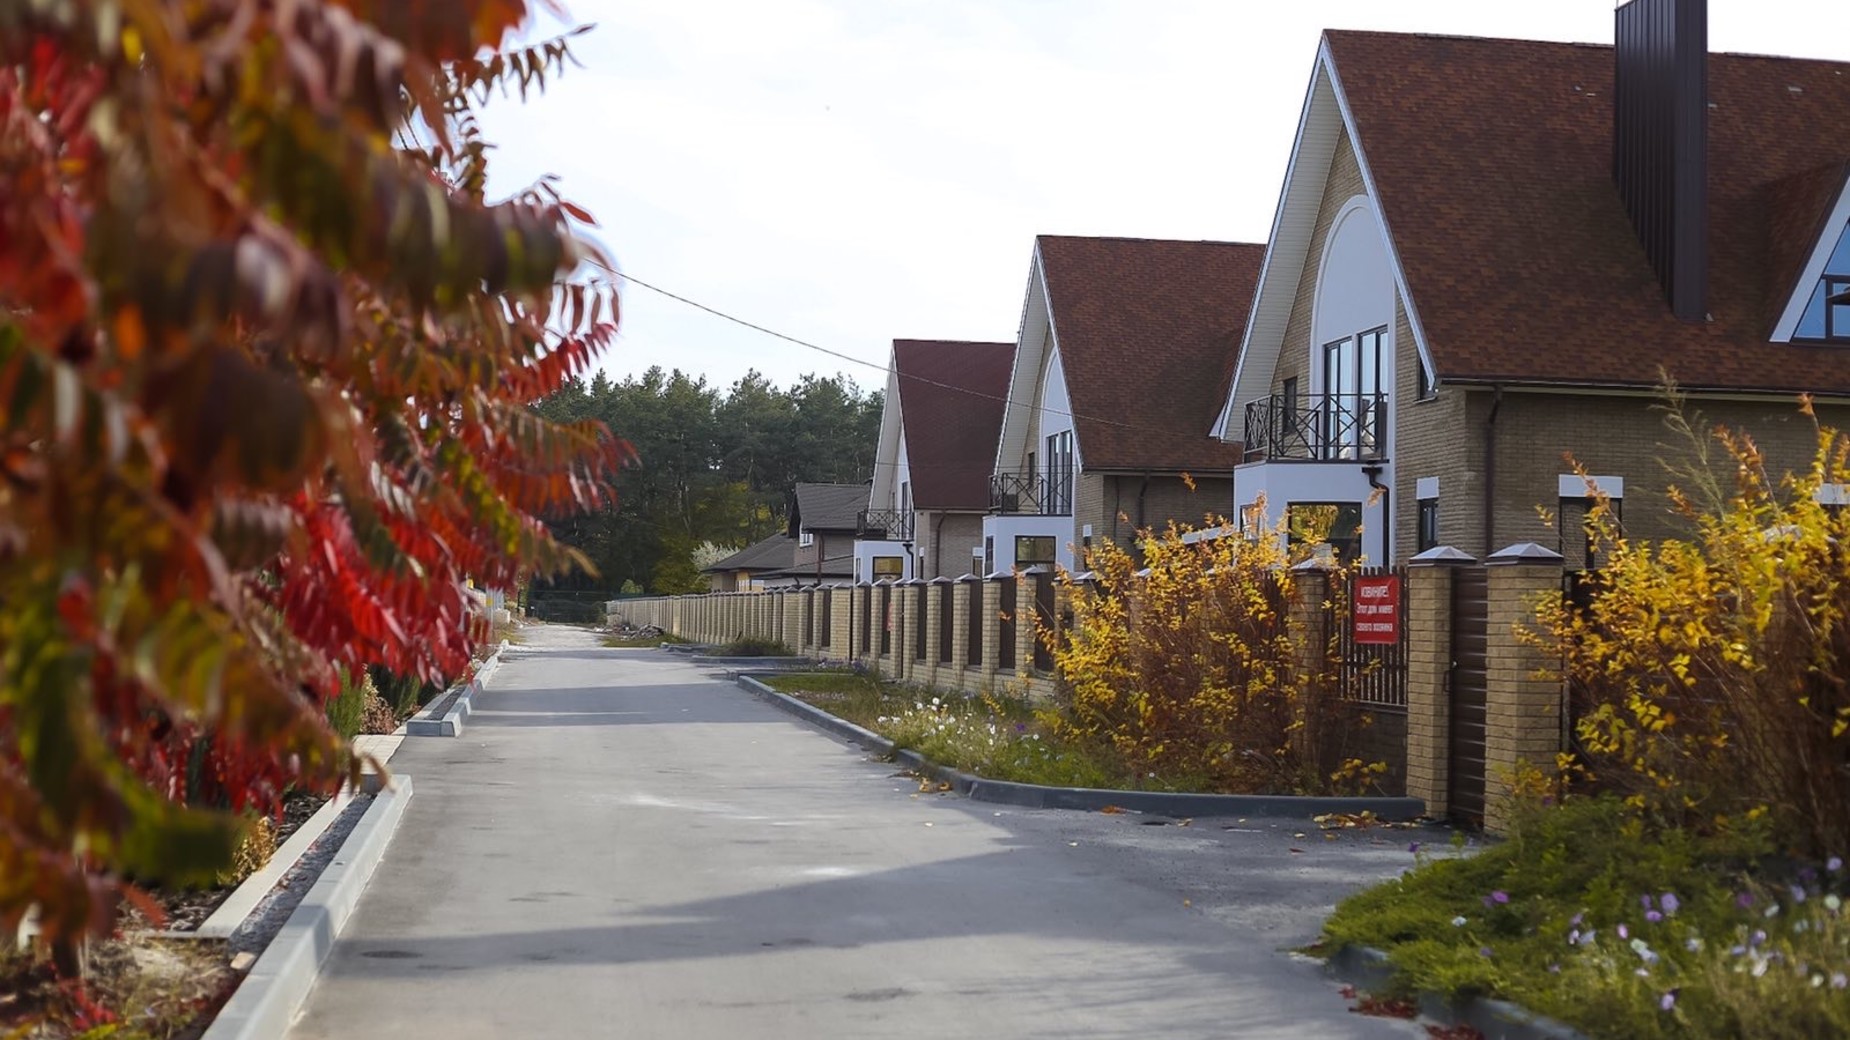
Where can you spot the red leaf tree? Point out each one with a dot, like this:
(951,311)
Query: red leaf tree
(266,357)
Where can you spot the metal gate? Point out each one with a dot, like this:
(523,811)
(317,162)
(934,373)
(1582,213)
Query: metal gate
(1043,614)
(1470,617)
(1374,673)
(973,626)
(886,620)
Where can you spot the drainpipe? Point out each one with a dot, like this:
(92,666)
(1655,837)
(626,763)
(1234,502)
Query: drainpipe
(1373,472)
(1490,472)
(1142,490)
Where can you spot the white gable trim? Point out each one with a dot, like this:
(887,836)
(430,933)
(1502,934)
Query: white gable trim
(1814,267)
(887,448)
(1025,377)
(1289,244)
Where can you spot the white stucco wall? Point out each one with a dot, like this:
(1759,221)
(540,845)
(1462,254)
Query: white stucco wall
(1005,529)
(866,549)
(1282,483)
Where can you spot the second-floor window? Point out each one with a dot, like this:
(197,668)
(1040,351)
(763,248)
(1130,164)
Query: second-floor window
(1060,473)
(1353,390)
(806,539)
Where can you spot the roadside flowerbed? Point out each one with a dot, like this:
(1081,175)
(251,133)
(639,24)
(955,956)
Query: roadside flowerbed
(1000,737)
(1621,929)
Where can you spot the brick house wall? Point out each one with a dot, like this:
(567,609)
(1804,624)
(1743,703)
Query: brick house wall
(1109,502)
(956,533)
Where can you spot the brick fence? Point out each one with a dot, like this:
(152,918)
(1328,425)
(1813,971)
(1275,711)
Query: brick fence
(1432,745)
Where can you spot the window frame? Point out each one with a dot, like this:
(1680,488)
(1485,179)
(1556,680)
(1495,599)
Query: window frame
(877,567)
(1053,550)
(1426,525)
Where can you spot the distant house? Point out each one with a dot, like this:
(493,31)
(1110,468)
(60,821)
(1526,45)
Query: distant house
(823,521)
(938,433)
(1122,364)
(754,567)
(1484,253)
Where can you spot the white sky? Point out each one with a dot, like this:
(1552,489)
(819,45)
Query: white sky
(854,171)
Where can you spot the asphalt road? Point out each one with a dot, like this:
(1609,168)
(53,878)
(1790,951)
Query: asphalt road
(622,846)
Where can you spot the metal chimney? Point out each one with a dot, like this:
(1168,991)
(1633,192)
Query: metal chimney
(1660,123)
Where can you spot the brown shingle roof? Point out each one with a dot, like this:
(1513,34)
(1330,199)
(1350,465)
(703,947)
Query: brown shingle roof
(1149,332)
(1492,159)
(951,397)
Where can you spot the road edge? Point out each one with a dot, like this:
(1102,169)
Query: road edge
(268,998)
(1091,799)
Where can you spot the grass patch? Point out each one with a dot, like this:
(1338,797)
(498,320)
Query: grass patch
(633,642)
(1591,916)
(138,988)
(1001,737)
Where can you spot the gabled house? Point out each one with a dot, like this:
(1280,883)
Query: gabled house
(823,520)
(1488,253)
(1124,355)
(754,567)
(938,429)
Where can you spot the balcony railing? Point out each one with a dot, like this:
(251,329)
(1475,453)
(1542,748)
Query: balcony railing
(1032,493)
(892,525)
(1317,428)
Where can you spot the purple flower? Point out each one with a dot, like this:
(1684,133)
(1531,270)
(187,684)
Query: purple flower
(1414,848)
(1624,933)
(1667,1001)
(1573,937)
(1653,916)
(1744,900)
(1500,896)
(1644,901)
(1577,918)
(1483,951)
(1834,864)
(1757,938)
(1670,902)
(1839,980)
(1021,727)
(1798,894)
(1554,968)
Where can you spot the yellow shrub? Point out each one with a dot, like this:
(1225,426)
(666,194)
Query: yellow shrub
(1187,668)
(1713,671)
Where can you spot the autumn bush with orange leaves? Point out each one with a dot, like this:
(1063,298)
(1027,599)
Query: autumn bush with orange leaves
(266,359)
(1712,674)
(1184,665)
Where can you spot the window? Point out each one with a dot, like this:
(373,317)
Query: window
(987,565)
(1827,315)
(889,567)
(1032,549)
(1252,519)
(805,539)
(1428,534)
(1288,419)
(1060,473)
(1337,523)
(1353,395)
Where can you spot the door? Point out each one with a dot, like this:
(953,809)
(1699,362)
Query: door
(1465,758)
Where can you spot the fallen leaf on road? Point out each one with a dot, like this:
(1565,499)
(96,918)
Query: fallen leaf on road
(1299,834)
(1073,844)
(1187,903)
(1298,851)
(1110,809)
(1185,823)
(927,823)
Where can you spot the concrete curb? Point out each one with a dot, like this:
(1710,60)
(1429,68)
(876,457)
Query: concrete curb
(266,1001)
(1368,969)
(1036,796)
(756,663)
(450,723)
(230,914)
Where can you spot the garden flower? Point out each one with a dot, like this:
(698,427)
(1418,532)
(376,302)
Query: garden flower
(1667,1001)
(1577,918)
(1458,922)
(1839,980)
(1670,902)
(1833,903)
(1624,933)
(1500,897)
(1744,900)
(1554,968)
(1759,937)
(1483,951)
(1798,894)
(1834,864)
(1692,944)
(1653,916)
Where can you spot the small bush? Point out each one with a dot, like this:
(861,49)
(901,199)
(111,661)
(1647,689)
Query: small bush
(255,850)
(377,716)
(743,647)
(347,711)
